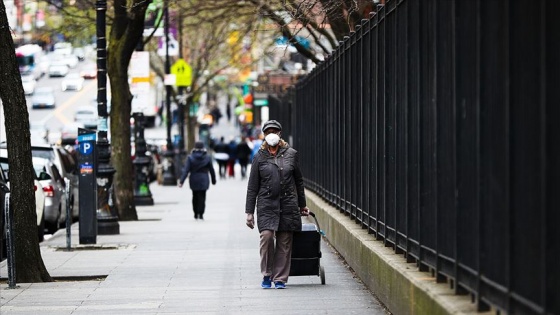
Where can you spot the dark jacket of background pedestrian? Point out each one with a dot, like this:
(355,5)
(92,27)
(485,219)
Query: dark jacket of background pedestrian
(243,154)
(243,151)
(198,165)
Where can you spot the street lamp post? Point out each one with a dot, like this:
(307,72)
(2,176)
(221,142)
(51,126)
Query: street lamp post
(107,219)
(180,153)
(142,193)
(169,178)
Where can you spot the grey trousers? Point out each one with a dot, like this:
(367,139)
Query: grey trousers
(276,256)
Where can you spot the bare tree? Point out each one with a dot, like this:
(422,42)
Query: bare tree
(29,263)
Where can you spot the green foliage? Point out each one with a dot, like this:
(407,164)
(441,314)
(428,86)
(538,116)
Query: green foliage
(76,24)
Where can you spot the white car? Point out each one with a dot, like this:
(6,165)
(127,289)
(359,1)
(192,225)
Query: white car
(29,83)
(73,81)
(86,115)
(63,48)
(58,69)
(39,194)
(44,64)
(43,98)
(71,61)
(54,188)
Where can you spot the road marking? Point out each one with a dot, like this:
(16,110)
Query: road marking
(58,111)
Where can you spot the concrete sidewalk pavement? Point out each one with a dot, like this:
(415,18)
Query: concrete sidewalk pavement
(169,263)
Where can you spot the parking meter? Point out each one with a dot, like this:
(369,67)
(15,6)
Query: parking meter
(87,169)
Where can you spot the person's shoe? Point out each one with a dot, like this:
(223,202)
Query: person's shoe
(196,216)
(266,283)
(279,285)
(200,217)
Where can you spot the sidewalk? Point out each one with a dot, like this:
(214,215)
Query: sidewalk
(169,263)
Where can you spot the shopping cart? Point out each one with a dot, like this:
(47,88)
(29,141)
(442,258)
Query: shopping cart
(306,251)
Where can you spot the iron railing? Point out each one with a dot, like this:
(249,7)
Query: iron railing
(436,127)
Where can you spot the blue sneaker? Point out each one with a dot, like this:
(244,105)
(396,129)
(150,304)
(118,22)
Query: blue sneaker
(279,285)
(266,283)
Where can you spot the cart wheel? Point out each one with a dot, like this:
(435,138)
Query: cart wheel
(322,274)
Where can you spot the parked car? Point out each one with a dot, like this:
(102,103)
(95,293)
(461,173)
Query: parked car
(73,81)
(38,195)
(86,115)
(43,98)
(29,83)
(89,71)
(66,164)
(54,188)
(58,69)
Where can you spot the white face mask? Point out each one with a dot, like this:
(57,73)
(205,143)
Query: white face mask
(272,139)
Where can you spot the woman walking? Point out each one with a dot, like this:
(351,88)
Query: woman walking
(275,188)
(198,165)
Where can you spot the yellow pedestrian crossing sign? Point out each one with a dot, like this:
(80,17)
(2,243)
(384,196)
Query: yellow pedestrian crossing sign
(183,73)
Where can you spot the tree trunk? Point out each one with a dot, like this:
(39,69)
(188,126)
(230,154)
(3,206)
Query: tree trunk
(120,137)
(126,32)
(29,263)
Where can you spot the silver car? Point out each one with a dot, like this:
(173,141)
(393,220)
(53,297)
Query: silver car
(65,162)
(86,115)
(39,194)
(43,97)
(29,83)
(54,189)
(73,81)
(58,69)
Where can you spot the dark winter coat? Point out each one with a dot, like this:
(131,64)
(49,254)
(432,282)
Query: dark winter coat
(243,152)
(198,165)
(276,189)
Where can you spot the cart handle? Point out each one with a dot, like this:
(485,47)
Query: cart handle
(317,222)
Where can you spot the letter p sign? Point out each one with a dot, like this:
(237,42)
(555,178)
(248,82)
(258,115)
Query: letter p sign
(86,148)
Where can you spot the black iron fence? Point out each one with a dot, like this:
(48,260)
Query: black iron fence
(436,126)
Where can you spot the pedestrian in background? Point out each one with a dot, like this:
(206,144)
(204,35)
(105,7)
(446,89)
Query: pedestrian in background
(232,151)
(243,154)
(276,189)
(221,155)
(198,165)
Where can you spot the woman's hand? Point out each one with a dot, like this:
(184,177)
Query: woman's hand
(250,221)
(304,211)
